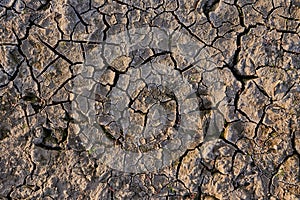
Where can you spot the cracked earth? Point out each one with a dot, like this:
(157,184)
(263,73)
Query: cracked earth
(205,103)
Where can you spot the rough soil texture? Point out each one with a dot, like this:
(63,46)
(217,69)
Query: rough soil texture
(254,44)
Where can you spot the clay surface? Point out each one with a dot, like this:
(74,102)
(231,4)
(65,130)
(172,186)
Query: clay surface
(124,99)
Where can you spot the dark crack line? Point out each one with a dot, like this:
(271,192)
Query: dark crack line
(56,52)
(106,28)
(44,6)
(9,8)
(187,29)
(47,66)
(128,5)
(33,77)
(80,19)
(11,78)
(62,85)
(182,157)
